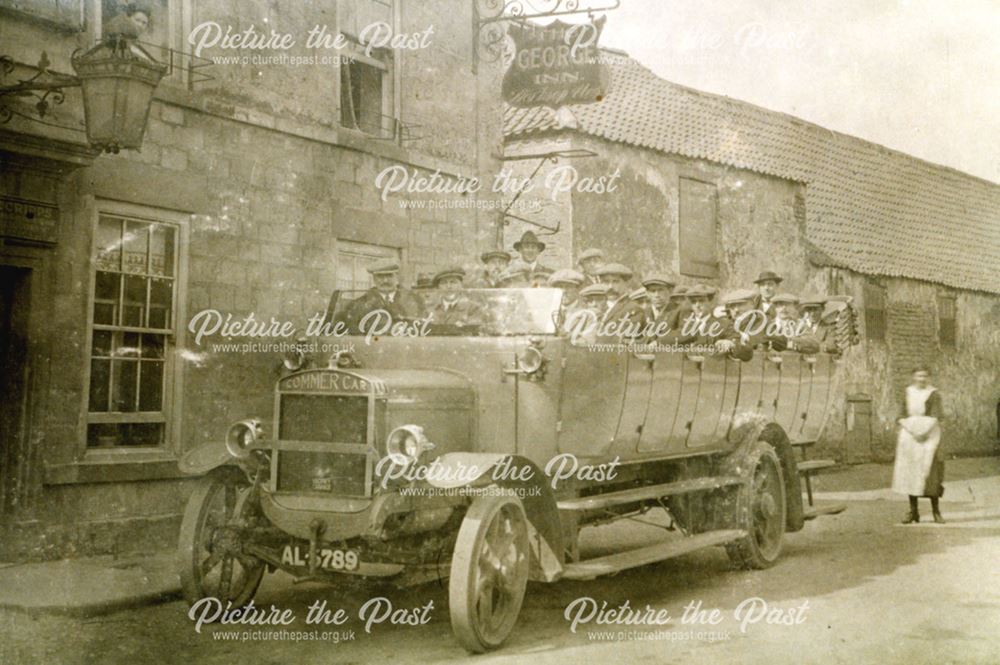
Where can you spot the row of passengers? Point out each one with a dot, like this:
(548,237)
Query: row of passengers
(665,313)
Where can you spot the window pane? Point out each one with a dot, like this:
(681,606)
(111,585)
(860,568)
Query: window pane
(152,346)
(109,435)
(127,346)
(151,385)
(100,375)
(161,248)
(126,373)
(106,291)
(136,246)
(104,435)
(102,343)
(134,307)
(142,434)
(109,243)
(160,303)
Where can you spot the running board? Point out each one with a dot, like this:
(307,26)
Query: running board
(818,511)
(814,465)
(608,499)
(613,563)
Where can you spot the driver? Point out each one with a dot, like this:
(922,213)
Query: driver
(454,308)
(385,295)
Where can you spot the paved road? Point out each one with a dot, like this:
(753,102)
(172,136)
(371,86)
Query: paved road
(876,592)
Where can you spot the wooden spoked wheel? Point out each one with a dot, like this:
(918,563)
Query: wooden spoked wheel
(213,562)
(489,572)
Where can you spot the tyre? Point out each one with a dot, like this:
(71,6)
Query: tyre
(213,531)
(489,572)
(760,510)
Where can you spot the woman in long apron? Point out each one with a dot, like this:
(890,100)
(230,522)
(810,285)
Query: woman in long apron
(919,469)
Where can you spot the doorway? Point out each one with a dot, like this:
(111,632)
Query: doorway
(15,283)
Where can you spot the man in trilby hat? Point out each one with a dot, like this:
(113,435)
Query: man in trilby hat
(767,287)
(529,247)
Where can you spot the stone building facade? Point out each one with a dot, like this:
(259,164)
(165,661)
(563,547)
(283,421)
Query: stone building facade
(715,190)
(254,192)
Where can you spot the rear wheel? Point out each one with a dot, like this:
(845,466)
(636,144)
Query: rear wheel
(489,572)
(213,532)
(760,510)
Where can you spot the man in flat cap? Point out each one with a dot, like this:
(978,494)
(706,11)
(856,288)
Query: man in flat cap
(786,326)
(583,324)
(569,281)
(590,261)
(495,262)
(661,313)
(813,322)
(622,311)
(454,308)
(386,295)
(529,247)
(736,338)
(700,320)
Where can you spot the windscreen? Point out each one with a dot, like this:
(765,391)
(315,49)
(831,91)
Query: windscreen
(469,312)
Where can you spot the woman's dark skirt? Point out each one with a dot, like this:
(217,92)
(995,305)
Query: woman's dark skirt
(934,485)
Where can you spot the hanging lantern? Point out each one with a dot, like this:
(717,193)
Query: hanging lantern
(118,77)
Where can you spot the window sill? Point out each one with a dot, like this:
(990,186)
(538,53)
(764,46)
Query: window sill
(114,468)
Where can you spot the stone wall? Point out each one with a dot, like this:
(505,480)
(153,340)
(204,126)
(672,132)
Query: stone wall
(268,183)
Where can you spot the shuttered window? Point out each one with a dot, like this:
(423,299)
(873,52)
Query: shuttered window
(874,312)
(698,236)
(947,333)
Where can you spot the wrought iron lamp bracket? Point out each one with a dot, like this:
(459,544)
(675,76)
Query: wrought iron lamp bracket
(45,86)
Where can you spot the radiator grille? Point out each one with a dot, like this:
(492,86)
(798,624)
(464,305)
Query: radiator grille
(323,418)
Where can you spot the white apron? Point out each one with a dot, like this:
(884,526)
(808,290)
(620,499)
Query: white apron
(913,457)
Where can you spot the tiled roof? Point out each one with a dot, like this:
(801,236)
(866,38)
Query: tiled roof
(870,209)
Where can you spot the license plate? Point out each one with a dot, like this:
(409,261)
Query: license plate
(329,559)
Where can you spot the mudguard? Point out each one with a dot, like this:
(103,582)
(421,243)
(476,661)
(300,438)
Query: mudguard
(521,476)
(205,457)
(749,428)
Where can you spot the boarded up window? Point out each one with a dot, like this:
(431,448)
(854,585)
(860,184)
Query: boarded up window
(874,313)
(698,229)
(947,332)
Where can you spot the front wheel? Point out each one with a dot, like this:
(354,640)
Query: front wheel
(213,531)
(760,510)
(489,572)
